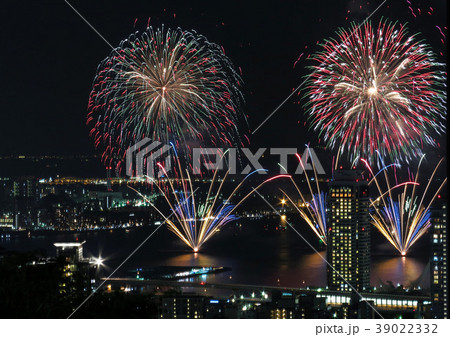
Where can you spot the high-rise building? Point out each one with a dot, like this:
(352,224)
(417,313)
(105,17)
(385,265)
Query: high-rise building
(438,263)
(78,271)
(24,188)
(72,252)
(24,195)
(348,242)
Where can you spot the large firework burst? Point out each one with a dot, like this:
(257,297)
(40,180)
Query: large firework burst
(376,89)
(167,85)
(400,213)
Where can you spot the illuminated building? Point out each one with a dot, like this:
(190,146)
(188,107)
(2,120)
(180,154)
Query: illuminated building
(72,252)
(348,249)
(182,306)
(24,188)
(284,305)
(281,313)
(57,212)
(288,305)
(77,270)
(438,263)
(6,205)
(6,222)
(389,305)
(24,193)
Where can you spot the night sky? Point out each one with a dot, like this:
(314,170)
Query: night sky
(49,58)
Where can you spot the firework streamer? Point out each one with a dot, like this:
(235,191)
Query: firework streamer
(196,218)
(402,217)
(312,210)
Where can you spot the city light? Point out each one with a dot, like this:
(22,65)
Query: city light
(98,261)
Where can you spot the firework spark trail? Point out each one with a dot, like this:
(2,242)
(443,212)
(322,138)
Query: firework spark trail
(167,85)
(315,214)
(382,90)
(402,218)
(196,219)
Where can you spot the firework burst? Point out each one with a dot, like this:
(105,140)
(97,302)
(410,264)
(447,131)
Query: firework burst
(167,85)
(402,217)
(376,88)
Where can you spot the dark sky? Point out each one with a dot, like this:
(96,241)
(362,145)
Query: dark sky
(49,57)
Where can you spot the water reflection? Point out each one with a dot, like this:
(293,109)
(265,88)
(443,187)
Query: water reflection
(407,271)
(191,259)
(256,257)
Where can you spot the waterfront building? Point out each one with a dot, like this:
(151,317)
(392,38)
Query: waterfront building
(348,248)
(438,263)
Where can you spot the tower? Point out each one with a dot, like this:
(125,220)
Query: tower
(24,196)
(348,242)
(438,263)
